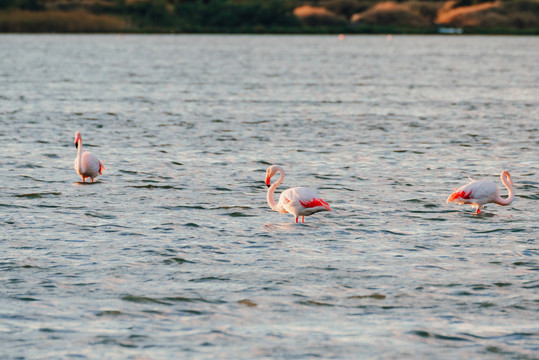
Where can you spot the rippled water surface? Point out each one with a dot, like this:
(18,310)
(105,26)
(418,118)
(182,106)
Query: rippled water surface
(174,252)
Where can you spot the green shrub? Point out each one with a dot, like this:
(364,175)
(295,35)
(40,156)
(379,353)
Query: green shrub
(233,15)
(347,8)
(528,6)
(427,9)
(149,13)
(34,5)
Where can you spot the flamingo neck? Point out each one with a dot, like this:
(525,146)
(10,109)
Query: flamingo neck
(506,180)
(79,151)
(271,190)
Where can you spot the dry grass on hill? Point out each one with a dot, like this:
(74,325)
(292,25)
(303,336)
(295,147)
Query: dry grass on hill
(489,15)
(60,21)
(317,15)
(391,13)
(464,15)
(496,14)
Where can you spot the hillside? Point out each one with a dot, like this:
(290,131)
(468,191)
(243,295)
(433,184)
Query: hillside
(270,16)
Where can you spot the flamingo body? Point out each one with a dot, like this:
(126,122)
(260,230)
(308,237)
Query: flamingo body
(87,165)
(479,193)
(298,201)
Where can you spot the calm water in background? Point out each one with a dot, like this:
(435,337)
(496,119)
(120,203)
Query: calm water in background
(174,253)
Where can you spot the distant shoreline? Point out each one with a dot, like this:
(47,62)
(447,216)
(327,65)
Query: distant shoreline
(85,22)
(266,34)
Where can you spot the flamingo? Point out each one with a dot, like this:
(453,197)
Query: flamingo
(479,193)
(299,201)
(86,164)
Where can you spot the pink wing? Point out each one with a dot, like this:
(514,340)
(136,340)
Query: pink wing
(315,202)
(460,194)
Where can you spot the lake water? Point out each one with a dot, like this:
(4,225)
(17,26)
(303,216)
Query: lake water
(174,252)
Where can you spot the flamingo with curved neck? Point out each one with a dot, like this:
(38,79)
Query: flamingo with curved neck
(299,201)
(87,165)
(479,193)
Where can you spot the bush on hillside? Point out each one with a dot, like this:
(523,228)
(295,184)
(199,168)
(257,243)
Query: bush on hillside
(427,9)
(233,14)
(347,8)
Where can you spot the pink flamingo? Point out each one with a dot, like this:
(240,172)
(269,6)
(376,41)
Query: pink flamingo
(479,193)
(86,164)
(299,201)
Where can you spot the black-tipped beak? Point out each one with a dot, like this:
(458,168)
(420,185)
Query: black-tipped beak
(268,185)
(77,144)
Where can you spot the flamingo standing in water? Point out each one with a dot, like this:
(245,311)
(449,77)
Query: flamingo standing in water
(86,164)
(479,193)
(299,201)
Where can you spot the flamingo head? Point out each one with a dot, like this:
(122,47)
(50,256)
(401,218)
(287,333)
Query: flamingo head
(506,174)
(77,138)
(269,173)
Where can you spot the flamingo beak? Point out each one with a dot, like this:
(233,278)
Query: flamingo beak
(76,144)
(268,181)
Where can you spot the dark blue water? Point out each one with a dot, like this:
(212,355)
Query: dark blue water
(174,253)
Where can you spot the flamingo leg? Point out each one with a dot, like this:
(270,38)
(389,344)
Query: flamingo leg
(92,180)
(302,219)
(296,220)
(478,211)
